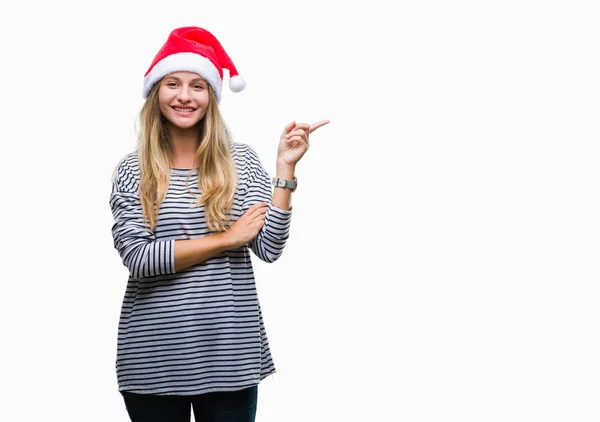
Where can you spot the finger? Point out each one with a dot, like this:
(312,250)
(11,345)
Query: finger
(293,139)
(289,127)
(258,207)
(302,126)
(299,142)
(317,125)
(298,132)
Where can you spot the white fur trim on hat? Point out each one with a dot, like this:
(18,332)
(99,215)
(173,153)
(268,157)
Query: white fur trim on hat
(189,62)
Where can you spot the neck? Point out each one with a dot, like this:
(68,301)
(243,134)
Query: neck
(183,143)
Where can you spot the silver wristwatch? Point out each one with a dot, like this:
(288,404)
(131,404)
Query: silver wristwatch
(283,183)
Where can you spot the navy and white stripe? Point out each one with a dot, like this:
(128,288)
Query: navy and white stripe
(200,329)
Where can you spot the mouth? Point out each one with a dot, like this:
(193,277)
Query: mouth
(184,110)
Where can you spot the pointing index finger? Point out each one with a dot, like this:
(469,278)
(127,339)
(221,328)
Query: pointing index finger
(317,125)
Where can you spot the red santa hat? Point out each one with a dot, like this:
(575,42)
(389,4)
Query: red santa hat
(195,50)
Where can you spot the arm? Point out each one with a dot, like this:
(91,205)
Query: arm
(140,251)
(268,245)
(243,230)
(144,256)
(193,251)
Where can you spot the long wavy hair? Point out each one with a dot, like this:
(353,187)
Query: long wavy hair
(217,176)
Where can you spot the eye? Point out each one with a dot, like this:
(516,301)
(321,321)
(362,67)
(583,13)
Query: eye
(198,86)
(171,84)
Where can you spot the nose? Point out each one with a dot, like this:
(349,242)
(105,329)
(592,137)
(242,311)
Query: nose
(183,95)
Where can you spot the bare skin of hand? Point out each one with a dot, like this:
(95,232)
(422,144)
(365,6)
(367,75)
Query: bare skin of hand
(294,141)
(246,228)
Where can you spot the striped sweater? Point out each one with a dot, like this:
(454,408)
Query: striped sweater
(200,329)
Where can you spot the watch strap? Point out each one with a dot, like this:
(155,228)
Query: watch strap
(285,183)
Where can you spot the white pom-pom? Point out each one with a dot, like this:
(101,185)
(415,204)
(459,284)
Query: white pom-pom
(237,83)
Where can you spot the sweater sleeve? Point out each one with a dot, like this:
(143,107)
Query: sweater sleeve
(269,243)
(140,252)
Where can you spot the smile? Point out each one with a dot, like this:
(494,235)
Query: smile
(184,110)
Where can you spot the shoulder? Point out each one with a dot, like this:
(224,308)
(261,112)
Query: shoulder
(238,149)
(127,173)
(248,163)
(243,154)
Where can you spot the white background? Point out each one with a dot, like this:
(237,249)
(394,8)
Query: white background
(443,257)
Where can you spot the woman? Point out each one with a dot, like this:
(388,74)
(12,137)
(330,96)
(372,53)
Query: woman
(189,204)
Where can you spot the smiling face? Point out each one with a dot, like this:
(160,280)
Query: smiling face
(183,98)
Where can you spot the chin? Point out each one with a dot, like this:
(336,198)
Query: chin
(185,124)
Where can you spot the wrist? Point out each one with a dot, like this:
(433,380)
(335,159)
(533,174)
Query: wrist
(285,171)
(226,240)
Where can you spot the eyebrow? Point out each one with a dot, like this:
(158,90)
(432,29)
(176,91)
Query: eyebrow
(193,80)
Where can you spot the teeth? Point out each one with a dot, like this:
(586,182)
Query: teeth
(183,110)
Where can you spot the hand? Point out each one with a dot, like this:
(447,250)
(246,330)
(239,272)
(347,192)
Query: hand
(246,228)
(294,142)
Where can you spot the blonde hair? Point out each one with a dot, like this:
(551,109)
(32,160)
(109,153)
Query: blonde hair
(217,176)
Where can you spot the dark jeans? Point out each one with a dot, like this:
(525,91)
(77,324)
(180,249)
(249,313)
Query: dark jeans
(226,406)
